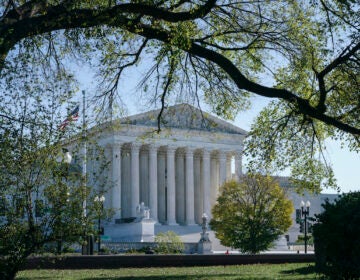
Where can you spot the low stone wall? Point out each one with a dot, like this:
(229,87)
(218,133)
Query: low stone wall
(299,248)
(119,261)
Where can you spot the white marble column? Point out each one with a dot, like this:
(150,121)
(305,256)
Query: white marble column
(228,167)
(238,164)
(107,180)
(171,199)
(153,182)
(144,177)
(205,173)
(116,176)
(214,179)
(222,167)
(189,189)
(161,178)
(126,183)
(135,188)
(180,187)
(198,189)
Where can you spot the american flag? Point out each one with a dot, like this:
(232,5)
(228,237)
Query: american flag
(73,116)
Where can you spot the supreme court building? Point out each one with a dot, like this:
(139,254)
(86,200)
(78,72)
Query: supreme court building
(175,174)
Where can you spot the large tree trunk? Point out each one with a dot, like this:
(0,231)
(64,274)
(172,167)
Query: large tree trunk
(10,267)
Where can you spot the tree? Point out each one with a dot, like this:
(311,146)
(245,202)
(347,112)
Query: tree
(251,214)
(336,231)
(41,195)
(302,54)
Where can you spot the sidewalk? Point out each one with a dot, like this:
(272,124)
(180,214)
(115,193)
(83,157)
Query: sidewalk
(235,252)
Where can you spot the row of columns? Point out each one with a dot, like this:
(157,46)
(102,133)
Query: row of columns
(171,172)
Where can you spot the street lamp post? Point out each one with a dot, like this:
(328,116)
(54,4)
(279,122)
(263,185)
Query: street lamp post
(100,201)
(305,213)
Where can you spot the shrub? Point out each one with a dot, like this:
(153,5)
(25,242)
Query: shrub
(142,250)
(301,239)
(132,251)
(336,236)
(168,243)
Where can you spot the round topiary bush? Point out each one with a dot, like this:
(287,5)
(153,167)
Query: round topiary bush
(337,238)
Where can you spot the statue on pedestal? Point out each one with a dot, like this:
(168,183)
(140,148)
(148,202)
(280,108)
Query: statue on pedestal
(204,245)
(143,212)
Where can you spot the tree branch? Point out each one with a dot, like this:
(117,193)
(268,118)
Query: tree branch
(57,18)
(16,25)
(165,14)
(242,82)
(345,55)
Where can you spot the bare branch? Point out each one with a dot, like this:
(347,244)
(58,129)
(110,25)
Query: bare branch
(345,55)
(165,91)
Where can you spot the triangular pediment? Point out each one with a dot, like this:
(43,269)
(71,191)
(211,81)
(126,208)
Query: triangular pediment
(184,116)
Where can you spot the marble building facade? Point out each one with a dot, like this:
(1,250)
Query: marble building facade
(176,173)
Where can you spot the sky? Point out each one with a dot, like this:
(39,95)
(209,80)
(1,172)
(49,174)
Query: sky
(346,164)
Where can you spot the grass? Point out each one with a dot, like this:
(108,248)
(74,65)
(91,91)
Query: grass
(259,271)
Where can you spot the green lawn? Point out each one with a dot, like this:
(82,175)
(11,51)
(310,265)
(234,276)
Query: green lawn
(260,271)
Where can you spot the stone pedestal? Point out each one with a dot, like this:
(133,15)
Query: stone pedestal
(204,247)
(139,231)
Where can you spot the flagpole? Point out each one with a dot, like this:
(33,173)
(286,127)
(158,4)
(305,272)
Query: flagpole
(111,100)
(84,171)
(86,248)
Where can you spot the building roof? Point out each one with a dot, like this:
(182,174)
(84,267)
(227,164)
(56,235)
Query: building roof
(183,116)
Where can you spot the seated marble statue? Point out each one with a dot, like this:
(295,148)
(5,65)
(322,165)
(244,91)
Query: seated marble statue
(142,211)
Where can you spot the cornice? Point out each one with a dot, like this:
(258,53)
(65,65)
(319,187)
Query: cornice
(178,119)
